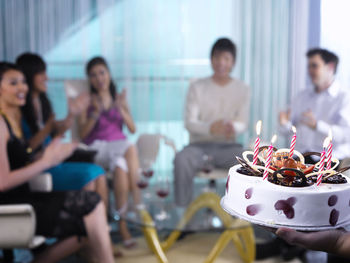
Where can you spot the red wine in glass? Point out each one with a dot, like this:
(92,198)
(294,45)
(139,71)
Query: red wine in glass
(207,170)
(207,164)
(142,184)
(162,193)
(147,173)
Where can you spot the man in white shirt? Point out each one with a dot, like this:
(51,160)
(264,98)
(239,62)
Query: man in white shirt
(324,107)
(216,111)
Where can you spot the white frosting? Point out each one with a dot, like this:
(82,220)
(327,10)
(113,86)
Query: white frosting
(311,206)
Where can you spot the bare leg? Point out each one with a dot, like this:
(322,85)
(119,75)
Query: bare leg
(60,250)
(99,185)
(102,189)
(121,191)
(99,240)
(91,186)
(132,159)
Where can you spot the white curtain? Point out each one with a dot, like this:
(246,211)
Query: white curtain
(39,25)
(334,19)
(155,47)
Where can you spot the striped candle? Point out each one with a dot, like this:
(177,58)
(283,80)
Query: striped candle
(269,157)
(329,151)
(322,160)
(257,142)
(329,156)
(321,167)
(292,143)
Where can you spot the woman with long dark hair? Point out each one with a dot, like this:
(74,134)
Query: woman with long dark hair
(76,218)
(101,127)
(39,124)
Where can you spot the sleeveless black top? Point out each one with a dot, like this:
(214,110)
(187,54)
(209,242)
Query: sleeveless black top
(58,214)
(19,155)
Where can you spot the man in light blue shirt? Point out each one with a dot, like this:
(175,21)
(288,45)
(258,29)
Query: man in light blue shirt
(318,109)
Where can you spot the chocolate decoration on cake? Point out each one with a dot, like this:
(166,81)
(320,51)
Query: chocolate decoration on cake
(333,217)
(246,169)
(297,180)
(291,201)
(332,200)
(266,148)
(248,193)
(252,210)
(286,206)
(307,154)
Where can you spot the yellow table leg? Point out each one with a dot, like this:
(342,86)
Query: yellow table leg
(220,244)
(239,231)
(152,239)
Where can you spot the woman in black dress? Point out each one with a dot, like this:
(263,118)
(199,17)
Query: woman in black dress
(75,218)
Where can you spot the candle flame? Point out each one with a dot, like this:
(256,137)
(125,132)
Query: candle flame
(274,139)
(294,129)
(258,127)
(326,142)
(330,134)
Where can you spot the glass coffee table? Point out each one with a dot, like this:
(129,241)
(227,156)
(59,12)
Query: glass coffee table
(204,214)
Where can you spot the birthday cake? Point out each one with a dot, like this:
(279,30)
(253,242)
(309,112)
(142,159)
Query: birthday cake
(293,194)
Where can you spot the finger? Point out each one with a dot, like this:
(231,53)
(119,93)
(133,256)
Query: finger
(293,237)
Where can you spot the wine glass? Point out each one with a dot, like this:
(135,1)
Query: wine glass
(162,191)
(147,172)
(208,164)
(142,182)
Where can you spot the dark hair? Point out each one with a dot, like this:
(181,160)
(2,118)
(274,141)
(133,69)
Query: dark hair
(101,61)
(326,55)
(224,44)
(32,64)
(6,66)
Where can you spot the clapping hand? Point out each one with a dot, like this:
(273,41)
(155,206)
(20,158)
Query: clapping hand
(222,128)
(121,101)
(57,151)
(229,129)
(79,104)
(284,117)
(308,118)
(218,128)
(62,126)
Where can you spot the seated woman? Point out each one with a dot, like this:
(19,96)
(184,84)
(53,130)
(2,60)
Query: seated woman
(39,124)
(76,218)
(101,128)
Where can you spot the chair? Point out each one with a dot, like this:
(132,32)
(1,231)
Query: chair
(148,148)
(17,222)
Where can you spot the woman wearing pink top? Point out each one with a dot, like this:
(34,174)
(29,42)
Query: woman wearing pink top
(101,127)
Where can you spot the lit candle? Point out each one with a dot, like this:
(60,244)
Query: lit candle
(257,142)
(292,143)
(269,157)
(329,150)
(323,157)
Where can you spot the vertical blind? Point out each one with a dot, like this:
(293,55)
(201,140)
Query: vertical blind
(155,48)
